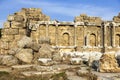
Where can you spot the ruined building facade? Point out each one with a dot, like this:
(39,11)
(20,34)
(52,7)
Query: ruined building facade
(83,34)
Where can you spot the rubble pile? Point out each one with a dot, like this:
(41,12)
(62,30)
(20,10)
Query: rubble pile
(108,63)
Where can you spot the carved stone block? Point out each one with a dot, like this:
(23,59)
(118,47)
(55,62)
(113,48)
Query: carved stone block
(10,31)
(6,24)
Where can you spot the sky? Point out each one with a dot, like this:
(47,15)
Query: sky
(62,10)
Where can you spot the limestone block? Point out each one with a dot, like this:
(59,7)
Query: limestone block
(15,24)
(8,38)
(43,68)
(57,57)
(10,31)
(45,61)
(43,40)
(12,44)
(6,24)
(34,46)
(10,18)
(4,45)
(82,73)
(25,55)
(22,67)
(18,37)
(22,31)
(19,18)
(76,61)
(3,51)
(8,60)
(14,51)
(31,73)
(24,42)
(46,51)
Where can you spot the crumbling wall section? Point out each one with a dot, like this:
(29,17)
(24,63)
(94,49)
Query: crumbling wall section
(17,26)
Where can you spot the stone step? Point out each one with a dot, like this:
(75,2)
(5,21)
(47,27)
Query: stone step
(38,73)
(22,67)
(5,69)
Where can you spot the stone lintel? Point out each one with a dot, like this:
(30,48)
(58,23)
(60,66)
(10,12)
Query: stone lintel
(67,23)
(70,47)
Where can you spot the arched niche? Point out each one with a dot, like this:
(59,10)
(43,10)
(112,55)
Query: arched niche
(117,40)
(92,39)
(66,39)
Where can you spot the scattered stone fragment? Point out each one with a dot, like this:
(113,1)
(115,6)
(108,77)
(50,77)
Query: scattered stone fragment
(24,42)
(76,61)
(45,61)
(46,51)
(25,55)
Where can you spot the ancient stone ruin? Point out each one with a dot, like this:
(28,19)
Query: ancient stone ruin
(31,40)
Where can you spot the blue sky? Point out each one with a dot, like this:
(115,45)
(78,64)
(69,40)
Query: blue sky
(63,10)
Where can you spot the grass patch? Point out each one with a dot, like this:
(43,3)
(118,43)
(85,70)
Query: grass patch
(17,76)
(60,76)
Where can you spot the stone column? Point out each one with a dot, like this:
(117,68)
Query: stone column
(75,35)
(56,34)
(113,36)
(102,36)
(47,25)
(85,37)
(105,35)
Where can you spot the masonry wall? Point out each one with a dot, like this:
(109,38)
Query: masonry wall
(84,34)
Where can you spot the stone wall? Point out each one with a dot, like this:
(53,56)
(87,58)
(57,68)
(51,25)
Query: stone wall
(84,34)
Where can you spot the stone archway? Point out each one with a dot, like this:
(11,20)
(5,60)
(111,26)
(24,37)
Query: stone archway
(117,40)
(66,39)
(92,39)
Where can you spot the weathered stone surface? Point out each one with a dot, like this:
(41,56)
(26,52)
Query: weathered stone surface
(31,73)
(117,18)
(43,68)
(85,18)
(57,57)
(43,40)
(22,32)
(6,24)
(34,46)
(25,55)
(10,18)
(6,69)
(82,73)
(22,67)
(14,51)
(3,51)
(19,18)
(19,25)
(46,51)
(11,31)
(8,38)
(8,60)
(45,61)
(24,42)
(108,63)
(76,61)
(18,37)
(4,45)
